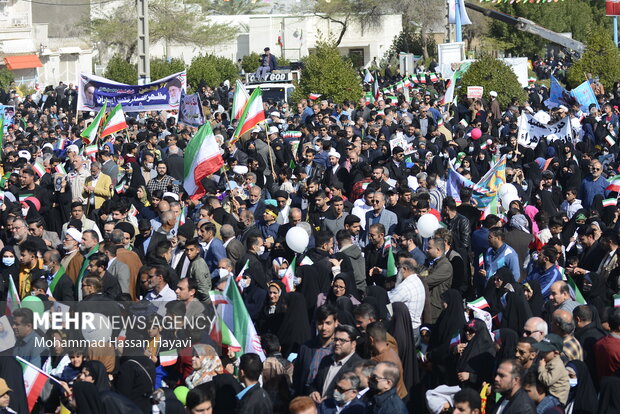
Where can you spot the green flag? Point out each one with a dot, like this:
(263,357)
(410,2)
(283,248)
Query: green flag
(574,290)
(391,265)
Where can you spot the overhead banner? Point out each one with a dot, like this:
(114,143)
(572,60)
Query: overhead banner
(531,131)
(161,95)
(190,112)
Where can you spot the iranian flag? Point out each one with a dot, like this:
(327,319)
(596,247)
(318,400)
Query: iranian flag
(60,169)
(616,301)
(236,317)
(12,298)
(34,381)
(614,184)
(610,202)
(220,332)
(480,303)
(240,99)
(289,277)
(90,150)
(246,266)
(115,122)
(253,114)
(168,358)
(90,133)
(202,158)
(314,96)
(572,287)
(375,90)
(39,168)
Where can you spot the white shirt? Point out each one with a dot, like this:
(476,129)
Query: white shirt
(160,299)
(410,292)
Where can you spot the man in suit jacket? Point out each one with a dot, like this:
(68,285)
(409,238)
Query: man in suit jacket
(348,401)
(234,248)
(253,399)
(439,277)
(342,360)
(314,170)
(108,166)
(117,268)
(128,257)
(379,214)
(97,187)
(61,285)
(214,250)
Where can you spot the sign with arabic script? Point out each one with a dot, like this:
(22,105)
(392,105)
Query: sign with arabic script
(161,95)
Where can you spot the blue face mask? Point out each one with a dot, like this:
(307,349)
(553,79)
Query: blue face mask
(8,261)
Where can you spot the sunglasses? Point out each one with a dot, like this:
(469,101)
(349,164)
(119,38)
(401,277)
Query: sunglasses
(529,333)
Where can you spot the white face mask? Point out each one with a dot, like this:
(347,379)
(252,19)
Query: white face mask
(261,250)
(148,165)
(573,382)
(339,398)
(25,211)
(244,283)
(281,273)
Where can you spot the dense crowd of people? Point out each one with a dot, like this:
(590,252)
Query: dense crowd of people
(505,312)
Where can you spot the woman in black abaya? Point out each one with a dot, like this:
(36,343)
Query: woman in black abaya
(505,344)
(582,398)
(515,308)
(295,328)
(476,363)
(401,329)
(534,297)
(272,314)
(449,324)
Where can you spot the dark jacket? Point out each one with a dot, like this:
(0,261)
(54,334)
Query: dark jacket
(326,362)
(355,406)
(255,269)
(64,290)
(520,403)
(520,242)
(461,233)
(388,403)
(255,401)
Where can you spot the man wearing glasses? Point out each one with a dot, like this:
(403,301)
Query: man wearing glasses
(345,399)
(593,185)
(535,328)
(383,383)
(343,359)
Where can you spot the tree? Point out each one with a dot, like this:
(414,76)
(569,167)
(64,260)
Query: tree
(493,75)
(120,70)
(170,22)
(424,15)
(575,17)
(328,73)
(410,42)
(343,13)
(601,59)
(161,68)
(250,62)
(234,7)
(6,78)
(212,69)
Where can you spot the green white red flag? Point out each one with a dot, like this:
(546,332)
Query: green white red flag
(253,114)
(168,358)
(12,298)
(114,122)
(202,158)
(34,381)
(39,168)
(614,184)
(90,133)
(240,99)
(289,276)
(236,316)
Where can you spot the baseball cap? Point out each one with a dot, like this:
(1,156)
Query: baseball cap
(551,342)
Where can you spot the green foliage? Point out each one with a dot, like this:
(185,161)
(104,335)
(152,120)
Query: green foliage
(410,42)
(170,22)
(120,70)
(160,68)
(576,16)
(234,7)
(493,75)
(328,73)
(212,69)
(6,78)
(601,59)
(250,62)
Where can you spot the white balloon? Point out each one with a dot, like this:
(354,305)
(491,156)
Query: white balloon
(427,224)
(507,200)
(297,239)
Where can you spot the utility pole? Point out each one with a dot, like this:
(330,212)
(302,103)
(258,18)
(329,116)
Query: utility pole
(144,64)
